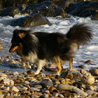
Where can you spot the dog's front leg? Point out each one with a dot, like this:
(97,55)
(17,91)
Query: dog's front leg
(41,63)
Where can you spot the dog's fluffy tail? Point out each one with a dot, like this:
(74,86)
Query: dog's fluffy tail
(80,33)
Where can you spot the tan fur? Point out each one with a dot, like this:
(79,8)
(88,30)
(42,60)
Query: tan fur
(21,35)
(14,48)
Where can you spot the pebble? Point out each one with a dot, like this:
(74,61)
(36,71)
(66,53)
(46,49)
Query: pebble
(15,89)
(46,83)
(1,95)
(1,47)
(88,61)
(81,66)
(8,81)
(2,76)
(35,89)
(94,71)
(26,85)
(87,78)
(15,73)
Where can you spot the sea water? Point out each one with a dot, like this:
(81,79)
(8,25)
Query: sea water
(88,52)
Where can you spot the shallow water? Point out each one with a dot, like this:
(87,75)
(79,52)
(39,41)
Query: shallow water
(89,52)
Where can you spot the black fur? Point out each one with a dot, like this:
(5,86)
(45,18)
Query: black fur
(50,46)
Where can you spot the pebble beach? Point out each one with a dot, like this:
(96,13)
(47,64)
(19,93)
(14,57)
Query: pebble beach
(24,84)
(80,83)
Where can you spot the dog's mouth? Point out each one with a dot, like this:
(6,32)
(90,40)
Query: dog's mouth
(12,49)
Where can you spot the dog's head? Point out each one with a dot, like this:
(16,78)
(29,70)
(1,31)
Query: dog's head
(17,40)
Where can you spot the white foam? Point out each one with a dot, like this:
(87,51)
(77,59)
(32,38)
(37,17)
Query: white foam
(90,52)
(93,47)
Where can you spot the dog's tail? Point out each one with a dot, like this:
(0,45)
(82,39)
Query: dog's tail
(80,33)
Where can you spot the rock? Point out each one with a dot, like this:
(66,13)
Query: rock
(46,83)
(96,16)
(15,89)
(46,8)
(31,21)
(15,73)
(35,89)
(13,3)
(67,94)
(1,47)
(90,87)
(94,71)
(1,95)
(0,4)
(11,11)
(2,76)
(87,78)
(88,61)
(30,72)
(63,3)
(12,61)
(8,81)
(71,88)
(12,65)
(82,9)
(81,66)
(27,82)
(71,74)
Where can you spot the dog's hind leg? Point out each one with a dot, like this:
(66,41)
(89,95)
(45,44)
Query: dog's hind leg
(59,67)
(70,63)
(41,63)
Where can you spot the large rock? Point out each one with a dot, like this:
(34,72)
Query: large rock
(83,9)
(11,11)
(31,21)
(63,3)
(46,8)
(13,3)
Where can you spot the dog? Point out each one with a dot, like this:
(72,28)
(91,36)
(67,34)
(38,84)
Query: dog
(43,47)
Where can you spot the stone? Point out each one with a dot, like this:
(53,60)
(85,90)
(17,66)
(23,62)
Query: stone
(15,73)
(94,71)
(46,83)
(11,11)
(81,66)
(31,21)
(2,76)
(88,61)
(1,95)
(8,81)
(15,89)
(82,9)
(1,47)
(87,78)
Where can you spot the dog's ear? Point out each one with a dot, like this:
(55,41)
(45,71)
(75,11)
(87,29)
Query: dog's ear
(19,33)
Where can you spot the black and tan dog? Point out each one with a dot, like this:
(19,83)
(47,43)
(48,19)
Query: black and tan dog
(42,47)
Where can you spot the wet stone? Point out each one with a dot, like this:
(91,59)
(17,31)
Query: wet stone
(88,61)
(38,86)
(1,47)
(81,66)
(46,83)
(94,71)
